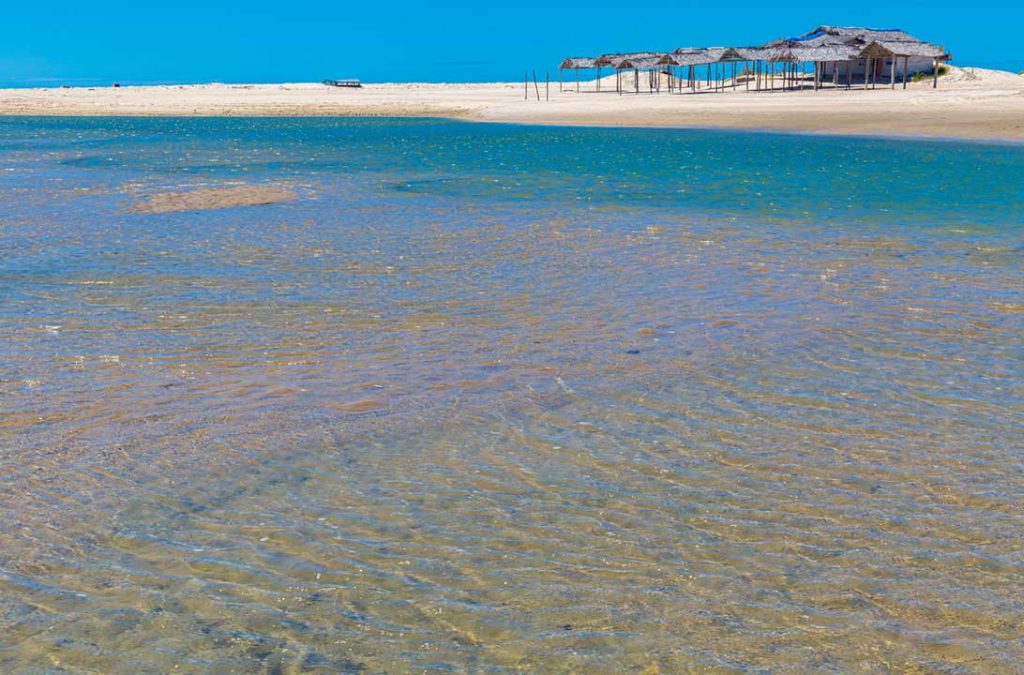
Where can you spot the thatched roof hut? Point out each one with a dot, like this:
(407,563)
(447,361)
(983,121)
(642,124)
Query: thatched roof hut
(639,63)
(695,56)
(840,35)
(893,42)
(885,48)
(578,63)
(615,59)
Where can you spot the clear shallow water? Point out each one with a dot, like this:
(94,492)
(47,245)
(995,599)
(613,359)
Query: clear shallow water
(491,398)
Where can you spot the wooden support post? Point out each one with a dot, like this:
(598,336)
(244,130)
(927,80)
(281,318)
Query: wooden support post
(935,73)
(577,80)
(892,75)
(636,80)
(536,87)
(906,66)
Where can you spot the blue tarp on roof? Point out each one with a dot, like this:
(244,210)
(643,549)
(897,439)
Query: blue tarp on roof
(819,33)
(808,37)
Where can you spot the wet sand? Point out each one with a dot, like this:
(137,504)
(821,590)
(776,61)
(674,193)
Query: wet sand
(969,103)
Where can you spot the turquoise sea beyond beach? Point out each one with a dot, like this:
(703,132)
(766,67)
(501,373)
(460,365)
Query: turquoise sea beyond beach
(487,398)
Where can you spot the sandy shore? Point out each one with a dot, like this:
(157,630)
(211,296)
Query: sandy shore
(969,103)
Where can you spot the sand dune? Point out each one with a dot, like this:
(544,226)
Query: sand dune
(969,103)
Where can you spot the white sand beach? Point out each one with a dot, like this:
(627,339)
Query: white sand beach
(968,103)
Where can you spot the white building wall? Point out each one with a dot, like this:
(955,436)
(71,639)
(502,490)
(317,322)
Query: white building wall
(915,64)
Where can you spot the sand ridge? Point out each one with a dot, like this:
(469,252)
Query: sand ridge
(211,198)
(969,103)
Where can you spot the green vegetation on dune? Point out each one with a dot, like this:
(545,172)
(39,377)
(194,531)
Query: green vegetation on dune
(917,77)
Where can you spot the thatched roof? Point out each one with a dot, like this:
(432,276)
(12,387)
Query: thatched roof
(578,63)
(823,53)
(640,62)
(844,35)
(614,59)
(824,43)
(884,49)
(870,43)
(686,57)
(696,56)
(867,34)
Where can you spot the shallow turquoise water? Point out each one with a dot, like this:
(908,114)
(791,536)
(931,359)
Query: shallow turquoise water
(490,398)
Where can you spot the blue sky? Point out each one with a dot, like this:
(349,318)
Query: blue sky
(106,41)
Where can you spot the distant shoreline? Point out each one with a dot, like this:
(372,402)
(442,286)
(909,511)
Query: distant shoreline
(972,104)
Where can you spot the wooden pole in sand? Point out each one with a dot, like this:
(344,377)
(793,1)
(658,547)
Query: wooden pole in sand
(906,65)
(535,87)
(935,73)
(892,75)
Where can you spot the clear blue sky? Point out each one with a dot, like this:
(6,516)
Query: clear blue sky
(46,42)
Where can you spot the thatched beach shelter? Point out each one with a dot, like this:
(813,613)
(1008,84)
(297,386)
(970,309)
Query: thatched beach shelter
(578,63)
(626,61)
(878,50)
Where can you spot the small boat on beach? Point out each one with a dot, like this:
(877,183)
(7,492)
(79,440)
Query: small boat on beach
(343,83)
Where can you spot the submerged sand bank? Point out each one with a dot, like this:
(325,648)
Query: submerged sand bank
(969,103)
(211,198)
